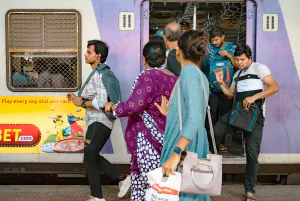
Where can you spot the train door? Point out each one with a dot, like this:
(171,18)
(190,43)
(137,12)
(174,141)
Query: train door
(235,17)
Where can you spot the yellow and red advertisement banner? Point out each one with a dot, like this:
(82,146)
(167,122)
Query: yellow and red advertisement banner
(40,124)
(19,135)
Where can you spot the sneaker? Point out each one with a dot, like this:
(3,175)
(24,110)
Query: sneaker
(95,199)
(124,187)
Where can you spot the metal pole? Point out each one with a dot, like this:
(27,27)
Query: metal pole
(195,17)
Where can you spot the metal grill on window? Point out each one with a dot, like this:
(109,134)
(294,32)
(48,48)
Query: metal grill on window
(43,50)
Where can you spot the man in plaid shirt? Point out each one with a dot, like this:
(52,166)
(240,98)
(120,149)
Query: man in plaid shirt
(99,126)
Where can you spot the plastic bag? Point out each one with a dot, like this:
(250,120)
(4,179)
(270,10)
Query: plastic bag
(163,188)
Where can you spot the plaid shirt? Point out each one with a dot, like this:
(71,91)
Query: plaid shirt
(96,89)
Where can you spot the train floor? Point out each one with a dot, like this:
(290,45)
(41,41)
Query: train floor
(230,192)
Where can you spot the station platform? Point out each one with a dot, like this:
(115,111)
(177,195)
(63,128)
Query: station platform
(232,192)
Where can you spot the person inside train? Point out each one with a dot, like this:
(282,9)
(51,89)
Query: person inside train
(18,77)
(185,26)
(156,39)
(219,53)
(59,75)
(159,33)
(43,68)
(21,75)
(172,33)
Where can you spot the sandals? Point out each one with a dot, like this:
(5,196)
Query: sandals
(250,198)
(223,148)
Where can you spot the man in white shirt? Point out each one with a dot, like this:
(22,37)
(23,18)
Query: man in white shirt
(255,83)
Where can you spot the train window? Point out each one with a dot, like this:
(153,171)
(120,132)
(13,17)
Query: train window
(43,50)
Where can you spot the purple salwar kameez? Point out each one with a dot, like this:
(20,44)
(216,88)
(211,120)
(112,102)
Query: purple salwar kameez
(145,127)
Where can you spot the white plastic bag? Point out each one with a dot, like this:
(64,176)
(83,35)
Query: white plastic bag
(163,188)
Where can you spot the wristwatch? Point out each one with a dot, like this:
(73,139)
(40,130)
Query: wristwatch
(177,150)
(183,155)
(83,105)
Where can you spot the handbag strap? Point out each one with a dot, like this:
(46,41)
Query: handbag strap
(207,109)
(85,83)
(235,88)
(235,92)
(99,68)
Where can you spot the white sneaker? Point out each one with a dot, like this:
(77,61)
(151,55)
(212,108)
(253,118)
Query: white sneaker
(124,187)
(95,199)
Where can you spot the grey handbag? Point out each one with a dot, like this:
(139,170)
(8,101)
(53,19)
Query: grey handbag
(201,175)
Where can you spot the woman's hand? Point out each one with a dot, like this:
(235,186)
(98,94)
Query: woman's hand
(163,108)
(108,107)
(169,166)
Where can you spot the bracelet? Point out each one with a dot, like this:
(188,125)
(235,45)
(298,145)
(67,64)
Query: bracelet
(177,150)
(111,107)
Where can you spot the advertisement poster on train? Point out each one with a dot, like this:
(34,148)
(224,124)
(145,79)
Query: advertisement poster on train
(41,125)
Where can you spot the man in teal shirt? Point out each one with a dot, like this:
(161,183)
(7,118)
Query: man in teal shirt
(218,50)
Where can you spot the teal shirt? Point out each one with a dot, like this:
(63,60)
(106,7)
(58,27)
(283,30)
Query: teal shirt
(193,107)
(213,54)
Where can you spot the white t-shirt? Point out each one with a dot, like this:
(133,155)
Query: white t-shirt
(251,81)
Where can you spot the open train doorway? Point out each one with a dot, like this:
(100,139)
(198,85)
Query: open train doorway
(230,16)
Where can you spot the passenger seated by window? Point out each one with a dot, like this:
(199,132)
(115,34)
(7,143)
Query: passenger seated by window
(71,77)
(19,80)
(31,74)
(44,79)
(58,73)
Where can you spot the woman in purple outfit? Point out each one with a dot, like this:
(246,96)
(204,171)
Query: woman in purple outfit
(145,127)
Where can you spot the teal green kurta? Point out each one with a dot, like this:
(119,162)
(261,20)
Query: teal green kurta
(193,107)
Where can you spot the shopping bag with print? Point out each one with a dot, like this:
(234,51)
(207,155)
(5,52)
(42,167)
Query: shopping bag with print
(163,188)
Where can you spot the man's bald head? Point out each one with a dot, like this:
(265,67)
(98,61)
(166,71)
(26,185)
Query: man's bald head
(172,31)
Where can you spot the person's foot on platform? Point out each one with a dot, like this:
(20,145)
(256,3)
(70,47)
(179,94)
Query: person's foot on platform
(250,197)
(95,199)
(124,187)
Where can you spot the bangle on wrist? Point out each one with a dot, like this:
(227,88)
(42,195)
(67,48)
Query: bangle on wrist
(177,150)
(111,107)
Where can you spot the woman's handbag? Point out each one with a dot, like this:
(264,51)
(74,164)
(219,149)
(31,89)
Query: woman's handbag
(241,117)
(201,175)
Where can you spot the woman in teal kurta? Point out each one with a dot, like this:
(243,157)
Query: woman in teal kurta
(193,106)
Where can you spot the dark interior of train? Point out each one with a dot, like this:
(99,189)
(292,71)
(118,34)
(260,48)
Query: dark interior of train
(230,16)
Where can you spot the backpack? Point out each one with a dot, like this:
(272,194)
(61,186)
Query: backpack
(111,84)
(224,63)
